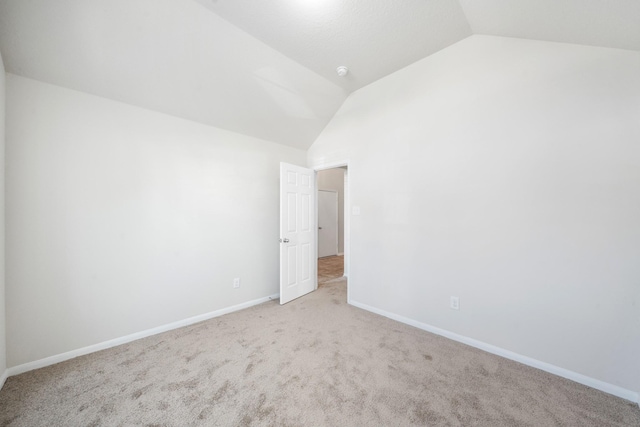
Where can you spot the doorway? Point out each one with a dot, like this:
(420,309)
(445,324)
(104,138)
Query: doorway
(332,224)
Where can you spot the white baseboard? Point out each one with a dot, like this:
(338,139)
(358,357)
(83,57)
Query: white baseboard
(561,372)
(3,378)
(340,253)
(30,366)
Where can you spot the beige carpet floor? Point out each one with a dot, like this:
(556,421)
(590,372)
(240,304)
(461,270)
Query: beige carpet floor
(313,362)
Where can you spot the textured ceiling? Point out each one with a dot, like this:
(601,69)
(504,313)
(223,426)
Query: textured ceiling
(267,68)
(607,23)
(373,38)
(172,56)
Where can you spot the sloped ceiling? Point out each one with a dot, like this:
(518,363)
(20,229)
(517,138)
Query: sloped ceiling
(373,38)
(172,56)
(267,68)
(605,23)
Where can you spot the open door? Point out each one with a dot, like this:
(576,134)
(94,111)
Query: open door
(298,234)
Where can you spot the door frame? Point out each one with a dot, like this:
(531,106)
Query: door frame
(347,214)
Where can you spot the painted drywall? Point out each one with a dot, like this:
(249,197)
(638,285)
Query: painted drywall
(122,219)
(511,180)
(3,346)
(333,179)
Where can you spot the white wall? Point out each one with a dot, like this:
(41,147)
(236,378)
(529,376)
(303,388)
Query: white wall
(122,219)
(512,180)
(333,179)
(3,346)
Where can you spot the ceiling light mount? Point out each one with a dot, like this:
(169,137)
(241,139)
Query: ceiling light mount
(342,71)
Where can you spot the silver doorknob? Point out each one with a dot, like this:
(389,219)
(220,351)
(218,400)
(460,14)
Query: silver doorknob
(284,240)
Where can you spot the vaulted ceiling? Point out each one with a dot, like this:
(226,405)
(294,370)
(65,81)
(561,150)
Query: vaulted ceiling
(267,68)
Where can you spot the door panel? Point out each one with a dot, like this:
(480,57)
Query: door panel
(327,223)
(298,262)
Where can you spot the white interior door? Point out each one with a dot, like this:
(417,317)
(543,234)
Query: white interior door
(327,223)
(298,260)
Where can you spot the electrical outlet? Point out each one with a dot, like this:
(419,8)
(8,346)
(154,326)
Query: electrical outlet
(236,282)
(455,303)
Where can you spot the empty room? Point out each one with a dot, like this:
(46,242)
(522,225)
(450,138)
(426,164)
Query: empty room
(320,212)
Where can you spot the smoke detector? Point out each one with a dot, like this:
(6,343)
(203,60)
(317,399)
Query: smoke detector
(342,71)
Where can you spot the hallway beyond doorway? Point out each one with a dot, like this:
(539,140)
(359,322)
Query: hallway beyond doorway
(330,268)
